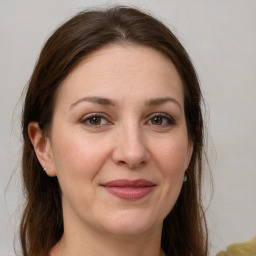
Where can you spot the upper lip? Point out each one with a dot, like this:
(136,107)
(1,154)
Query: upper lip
(129,183)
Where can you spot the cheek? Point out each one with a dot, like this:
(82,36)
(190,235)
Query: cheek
(77,157)
(77,160)
(172,156)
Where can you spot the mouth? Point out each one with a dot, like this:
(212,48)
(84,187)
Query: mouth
(129,189)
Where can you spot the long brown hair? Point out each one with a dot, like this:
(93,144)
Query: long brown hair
(184,229)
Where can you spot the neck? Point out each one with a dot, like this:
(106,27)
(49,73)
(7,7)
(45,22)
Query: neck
(91,242)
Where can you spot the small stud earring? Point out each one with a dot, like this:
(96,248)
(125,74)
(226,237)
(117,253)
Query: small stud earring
(185,177)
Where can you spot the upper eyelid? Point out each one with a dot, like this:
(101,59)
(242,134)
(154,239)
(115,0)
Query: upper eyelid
(106,116)
(162,114)
(96,114)
(170,118)
(84,120)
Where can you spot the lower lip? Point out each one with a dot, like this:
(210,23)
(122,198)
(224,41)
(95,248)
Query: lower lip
(131,193)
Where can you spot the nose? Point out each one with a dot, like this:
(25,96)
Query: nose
(130,148)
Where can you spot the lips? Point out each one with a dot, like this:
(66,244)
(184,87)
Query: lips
(129,189)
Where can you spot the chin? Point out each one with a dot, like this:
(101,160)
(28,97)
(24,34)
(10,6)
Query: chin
(130,223)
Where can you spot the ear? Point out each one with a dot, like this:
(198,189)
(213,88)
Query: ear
(42,147)
(189,153)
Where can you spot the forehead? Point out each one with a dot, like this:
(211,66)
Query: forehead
(123,70)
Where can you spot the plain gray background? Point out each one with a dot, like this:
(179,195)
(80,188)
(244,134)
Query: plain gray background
(220,37)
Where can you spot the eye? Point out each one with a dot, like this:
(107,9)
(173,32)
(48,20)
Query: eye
(95,120)
(161,120)
(157,120)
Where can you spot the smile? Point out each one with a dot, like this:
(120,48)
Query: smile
(129,189)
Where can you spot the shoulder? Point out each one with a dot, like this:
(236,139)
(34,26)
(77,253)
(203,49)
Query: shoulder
(240,249)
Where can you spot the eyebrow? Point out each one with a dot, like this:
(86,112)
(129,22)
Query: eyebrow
(109,102)
(98,100)
(160,101)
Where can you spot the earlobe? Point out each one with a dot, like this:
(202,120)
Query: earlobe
(42,147)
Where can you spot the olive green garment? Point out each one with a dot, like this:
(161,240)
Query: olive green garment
(240,249)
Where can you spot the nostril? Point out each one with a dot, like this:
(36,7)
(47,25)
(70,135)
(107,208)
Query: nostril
(122,162)
(131,152)
(132,165)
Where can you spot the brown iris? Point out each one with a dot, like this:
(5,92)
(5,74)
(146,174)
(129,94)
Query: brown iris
(157,120)
(95,120)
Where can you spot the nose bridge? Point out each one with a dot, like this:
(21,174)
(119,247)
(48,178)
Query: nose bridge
(131,147)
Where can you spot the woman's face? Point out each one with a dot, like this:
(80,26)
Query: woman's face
(119,144)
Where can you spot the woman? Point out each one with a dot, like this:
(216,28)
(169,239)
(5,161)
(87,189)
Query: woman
(113,139)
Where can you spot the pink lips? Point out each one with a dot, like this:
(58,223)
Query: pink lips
(129,189)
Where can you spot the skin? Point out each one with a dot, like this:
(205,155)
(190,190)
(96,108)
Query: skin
(139,133)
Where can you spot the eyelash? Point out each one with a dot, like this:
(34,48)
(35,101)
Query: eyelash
(169,120)
(86,120)
(166,119)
